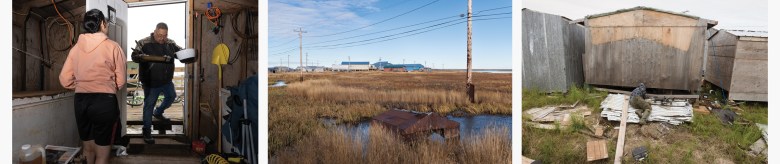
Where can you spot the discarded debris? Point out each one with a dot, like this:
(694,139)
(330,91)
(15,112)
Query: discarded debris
(416,125)
(701,110)
(758,148)
(639,153)
(542,126)
(764,131)
(597,150)
(655,131)
(586,113)
(727,117)
(674,112)
(552,114)
(527,160)
(598,130)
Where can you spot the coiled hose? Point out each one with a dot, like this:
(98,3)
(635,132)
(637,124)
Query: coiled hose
(215,159)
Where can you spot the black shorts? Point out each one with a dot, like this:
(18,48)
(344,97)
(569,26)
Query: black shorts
(97,116)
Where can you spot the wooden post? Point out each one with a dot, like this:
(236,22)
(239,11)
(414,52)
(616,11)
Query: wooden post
(300,46)
(469,85)
(622,133)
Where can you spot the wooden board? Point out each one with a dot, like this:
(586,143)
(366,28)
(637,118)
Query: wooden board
(37,93)
(527,160)
(597,150)
(650,95)
(701,110)
(622,133)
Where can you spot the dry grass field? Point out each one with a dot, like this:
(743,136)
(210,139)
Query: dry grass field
(297,134)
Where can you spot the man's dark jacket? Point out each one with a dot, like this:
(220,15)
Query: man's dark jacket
(155,73)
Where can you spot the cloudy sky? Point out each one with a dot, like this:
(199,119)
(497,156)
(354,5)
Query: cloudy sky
(367,30)
(743,14)
(143,20)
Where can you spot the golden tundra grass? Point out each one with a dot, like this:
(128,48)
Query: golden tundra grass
(358,96)
(442,92)
(381,146)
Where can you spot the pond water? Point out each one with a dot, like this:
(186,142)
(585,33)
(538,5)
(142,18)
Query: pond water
(469,125)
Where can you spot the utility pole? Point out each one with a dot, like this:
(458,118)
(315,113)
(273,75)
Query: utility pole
(349,64)
(307,60)
(300,46)
(288,61)
(404,61)
(469,85)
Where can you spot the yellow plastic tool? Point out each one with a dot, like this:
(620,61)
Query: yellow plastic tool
(220,57)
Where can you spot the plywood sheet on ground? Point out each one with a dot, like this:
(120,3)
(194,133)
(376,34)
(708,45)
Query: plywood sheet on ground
(597,150)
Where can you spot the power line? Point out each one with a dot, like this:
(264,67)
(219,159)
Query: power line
(385,20)
(426,22)
(307,25)
(407,26)
(417,24)
(288,42)
(405,32)
(413,34)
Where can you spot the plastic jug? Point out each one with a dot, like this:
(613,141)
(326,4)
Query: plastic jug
(32,155)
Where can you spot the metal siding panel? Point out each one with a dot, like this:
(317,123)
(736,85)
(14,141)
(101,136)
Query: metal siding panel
(548,62)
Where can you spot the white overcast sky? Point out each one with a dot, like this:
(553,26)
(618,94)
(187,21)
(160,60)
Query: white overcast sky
(143,20)
(743,14)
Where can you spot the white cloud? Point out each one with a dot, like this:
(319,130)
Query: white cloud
(316,17)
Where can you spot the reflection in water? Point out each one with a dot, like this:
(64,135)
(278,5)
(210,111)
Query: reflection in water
(469,125)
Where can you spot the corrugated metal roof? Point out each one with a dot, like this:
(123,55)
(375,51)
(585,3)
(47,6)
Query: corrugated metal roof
(763,34)
(354,63)
(639,8)
(394,66)
(414,65)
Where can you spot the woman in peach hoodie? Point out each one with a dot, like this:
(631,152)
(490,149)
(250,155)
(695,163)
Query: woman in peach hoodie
(96,70)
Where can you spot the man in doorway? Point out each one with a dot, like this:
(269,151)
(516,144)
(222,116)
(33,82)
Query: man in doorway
(154,55)
(638,102)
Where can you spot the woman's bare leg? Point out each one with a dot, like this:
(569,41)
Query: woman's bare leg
(89,151)
(103,154)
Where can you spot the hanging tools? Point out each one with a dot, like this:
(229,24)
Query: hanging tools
(213,13)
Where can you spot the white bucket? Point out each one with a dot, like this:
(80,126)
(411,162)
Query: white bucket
(186,55)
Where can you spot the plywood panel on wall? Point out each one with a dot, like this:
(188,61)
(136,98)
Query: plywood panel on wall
(659,49)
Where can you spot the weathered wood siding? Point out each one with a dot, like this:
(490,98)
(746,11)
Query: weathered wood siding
(739,65)
(552,52)
(29,73)
(659,49)
(206,85)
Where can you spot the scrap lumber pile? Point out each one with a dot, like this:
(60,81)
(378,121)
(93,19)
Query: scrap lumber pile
(673,112)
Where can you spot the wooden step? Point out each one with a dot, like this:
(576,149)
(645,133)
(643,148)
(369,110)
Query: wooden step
(163,145)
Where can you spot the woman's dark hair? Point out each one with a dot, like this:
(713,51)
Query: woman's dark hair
(92,20)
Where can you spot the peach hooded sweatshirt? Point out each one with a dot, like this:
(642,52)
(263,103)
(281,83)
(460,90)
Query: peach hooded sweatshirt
(94,65)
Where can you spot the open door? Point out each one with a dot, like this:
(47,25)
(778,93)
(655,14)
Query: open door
(116,13)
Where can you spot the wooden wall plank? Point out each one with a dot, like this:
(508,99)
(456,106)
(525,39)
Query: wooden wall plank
(662,50)
(552,52)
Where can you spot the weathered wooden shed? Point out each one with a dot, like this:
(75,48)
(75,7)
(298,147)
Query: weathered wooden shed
(663,49)
(737,62)
(552,52)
